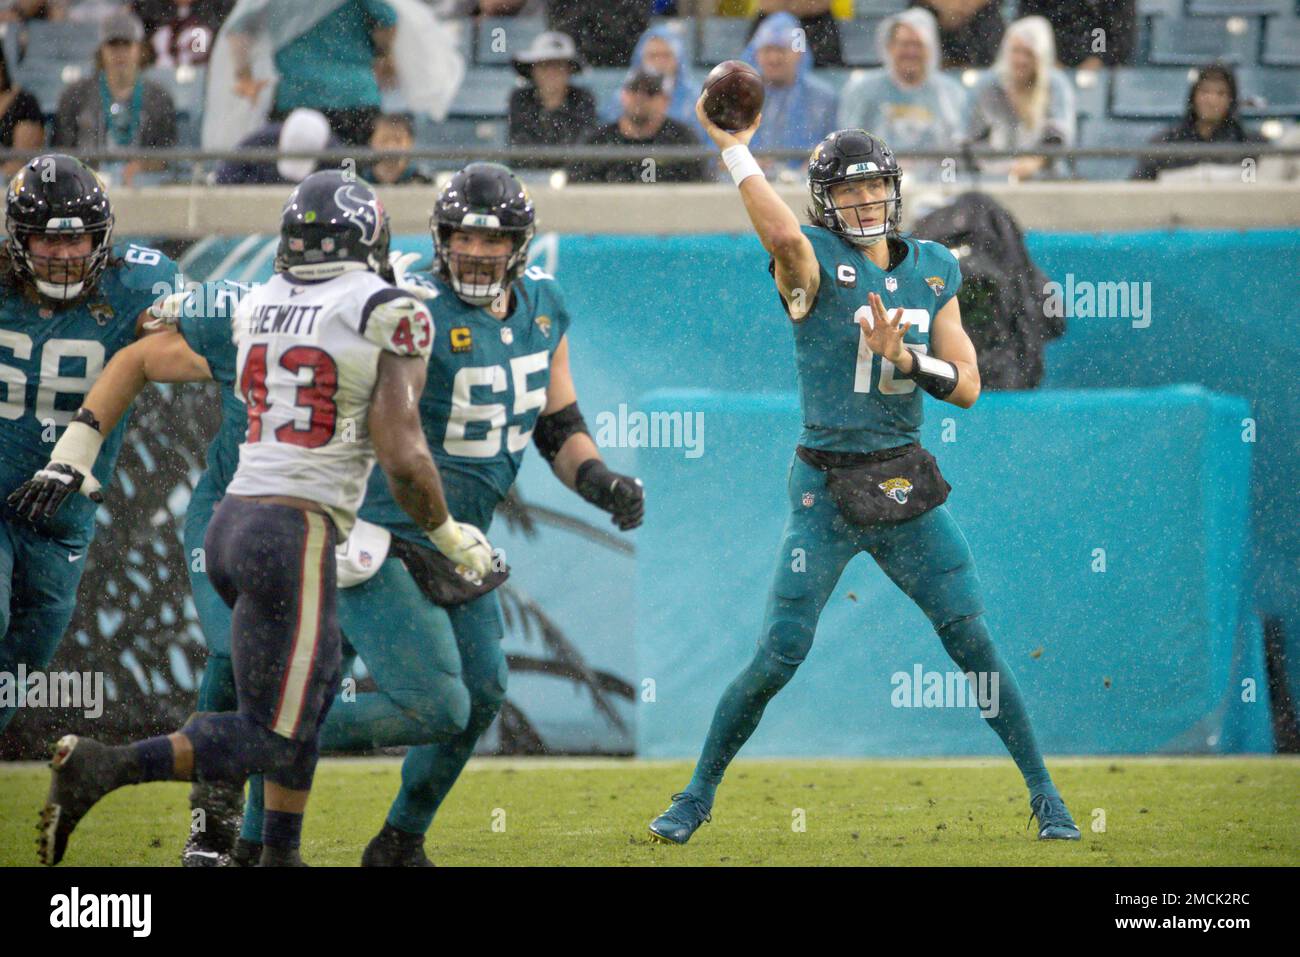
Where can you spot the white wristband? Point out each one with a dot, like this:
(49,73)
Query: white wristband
(78,447)
(741,163)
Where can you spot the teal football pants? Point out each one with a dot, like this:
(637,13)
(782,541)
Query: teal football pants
(927,557)
(38,595)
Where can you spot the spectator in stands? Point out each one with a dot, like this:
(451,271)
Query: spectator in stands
(181,31)
(22,127)
(303,130)
(550,110)
(821,32)
(1024,101)
(395,131)
(1211,118)
(645,122)
(908,101)
(969,30)
(799,110)
(1089,33)
(489,8)
(117,109)
(332,56)
(23,10)
(661,50)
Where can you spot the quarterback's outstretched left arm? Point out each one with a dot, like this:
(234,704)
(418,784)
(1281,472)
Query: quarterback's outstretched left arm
(562,438)
(161,357)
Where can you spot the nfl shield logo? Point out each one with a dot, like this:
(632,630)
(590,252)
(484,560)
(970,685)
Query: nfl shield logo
(807,499)
(507,335)
(891,283)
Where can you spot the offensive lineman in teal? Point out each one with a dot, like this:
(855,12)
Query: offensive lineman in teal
(500,334)
(860,481)
(69,300)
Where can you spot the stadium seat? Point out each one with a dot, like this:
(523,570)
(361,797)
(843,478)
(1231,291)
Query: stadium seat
(1100,132)
(603,82)
(1281,42)
(1091,91)
(1159,8)
(877,8)
(1200,40)
(1265,92)
(185,84)
(721,38)
(1240,8)
(454,132)
(498,39)
(61,41)
(858,41)
(837,77)
(45,80)
(485,92)
(1146,93)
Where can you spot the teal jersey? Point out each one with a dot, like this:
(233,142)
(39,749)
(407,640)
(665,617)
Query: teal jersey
(333,62)
(850,397)
(486,387)
(49,358)
(206,326)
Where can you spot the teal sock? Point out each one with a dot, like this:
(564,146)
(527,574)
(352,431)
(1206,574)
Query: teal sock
(971,648)
(217,688)
(428,774)
(735,718)
(254,810)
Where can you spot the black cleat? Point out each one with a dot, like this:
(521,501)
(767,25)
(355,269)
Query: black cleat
(281,857)
(81,773)
(395,848)
(216,813)
(245,853)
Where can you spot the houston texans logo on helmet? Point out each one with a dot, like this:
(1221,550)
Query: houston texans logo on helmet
(362,209)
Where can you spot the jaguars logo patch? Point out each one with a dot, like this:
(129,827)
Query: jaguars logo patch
(544,323)
(461,340)
(936,283)
(897,489)
(101,312)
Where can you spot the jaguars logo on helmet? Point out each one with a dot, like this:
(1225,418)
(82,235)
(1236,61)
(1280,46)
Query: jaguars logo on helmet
(488,197)
(332,224)
(849,156)
(58,195)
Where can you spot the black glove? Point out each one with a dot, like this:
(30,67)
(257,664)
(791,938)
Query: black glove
(620,495)
(42,494)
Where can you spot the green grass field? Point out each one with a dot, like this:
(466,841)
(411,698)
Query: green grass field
(1212,811)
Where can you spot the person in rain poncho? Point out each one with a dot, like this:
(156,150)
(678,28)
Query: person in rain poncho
(329,55)
(907,102)
(1024,101)
(661,50)
(798,109)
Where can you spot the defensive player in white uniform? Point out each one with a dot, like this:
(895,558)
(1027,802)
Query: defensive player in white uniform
(332,360)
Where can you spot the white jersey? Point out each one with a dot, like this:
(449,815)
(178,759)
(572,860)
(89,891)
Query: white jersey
(308,362)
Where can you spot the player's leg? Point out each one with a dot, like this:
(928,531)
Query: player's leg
(815,547)
(929,559)
(410,651)
(215,808)
(286,658)
(430,771)
(40,576)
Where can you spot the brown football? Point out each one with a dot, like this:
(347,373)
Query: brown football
(733,95)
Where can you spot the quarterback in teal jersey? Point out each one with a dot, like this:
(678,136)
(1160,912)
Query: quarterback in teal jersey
(69,300)
(876,322)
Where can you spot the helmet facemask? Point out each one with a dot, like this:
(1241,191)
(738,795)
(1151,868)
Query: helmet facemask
(846,225)
(56,277)
(481,280)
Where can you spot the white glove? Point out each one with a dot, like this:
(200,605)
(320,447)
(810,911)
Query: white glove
(466,546)
(167,311)
(78,447)
(403,280)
